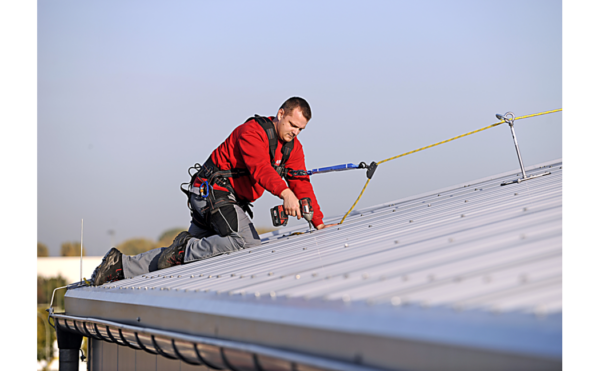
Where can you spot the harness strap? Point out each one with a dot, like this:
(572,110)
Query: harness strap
(286,149)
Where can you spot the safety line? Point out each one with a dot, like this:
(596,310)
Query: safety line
(437,144)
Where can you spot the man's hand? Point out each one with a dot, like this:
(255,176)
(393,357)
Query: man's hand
(321,226)
(290,203)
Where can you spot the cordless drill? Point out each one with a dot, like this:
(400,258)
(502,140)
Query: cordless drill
(279,216)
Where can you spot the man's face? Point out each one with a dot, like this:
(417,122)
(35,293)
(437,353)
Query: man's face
(290,124)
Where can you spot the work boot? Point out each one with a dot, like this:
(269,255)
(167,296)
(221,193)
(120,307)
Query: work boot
(173,255)
(110,269)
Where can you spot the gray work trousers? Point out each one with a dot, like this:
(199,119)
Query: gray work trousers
(204,244)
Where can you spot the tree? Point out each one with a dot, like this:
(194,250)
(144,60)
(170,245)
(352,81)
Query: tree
(136,246)
(42,250)
(167,237)
(261,230)
(71,249)
(45,336)
(45,288)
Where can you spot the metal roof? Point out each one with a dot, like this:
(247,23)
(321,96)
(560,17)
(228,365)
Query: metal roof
(470,274)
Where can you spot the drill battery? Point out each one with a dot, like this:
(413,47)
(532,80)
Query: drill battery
(280,218)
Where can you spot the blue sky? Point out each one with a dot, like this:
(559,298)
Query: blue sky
(130,94)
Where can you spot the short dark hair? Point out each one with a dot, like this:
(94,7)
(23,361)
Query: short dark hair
(296,102)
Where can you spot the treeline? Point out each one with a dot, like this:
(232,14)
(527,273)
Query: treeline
(132,246)
(66,249)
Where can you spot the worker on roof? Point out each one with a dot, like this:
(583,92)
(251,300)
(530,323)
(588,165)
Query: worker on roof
(255,157)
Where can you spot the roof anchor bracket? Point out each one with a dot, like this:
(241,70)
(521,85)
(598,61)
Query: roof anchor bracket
(509,118)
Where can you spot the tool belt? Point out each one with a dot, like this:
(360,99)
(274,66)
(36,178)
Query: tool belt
(219,213)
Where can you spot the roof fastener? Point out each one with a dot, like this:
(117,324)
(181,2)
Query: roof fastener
(270,273)
(462,215)
(257,294)
(410,221)
(192,276)
(304,248)
(232,274)
(252,276)
(273,251)
(428,205)
(345,245)
(369,225)
(396,242)
(524,209)
(297,276)
(516,194)
(466,200)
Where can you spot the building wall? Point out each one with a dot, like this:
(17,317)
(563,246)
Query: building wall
(104,356)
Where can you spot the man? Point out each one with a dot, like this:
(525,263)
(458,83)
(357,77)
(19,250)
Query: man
(254,158)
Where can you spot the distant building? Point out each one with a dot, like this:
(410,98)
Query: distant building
(67,266)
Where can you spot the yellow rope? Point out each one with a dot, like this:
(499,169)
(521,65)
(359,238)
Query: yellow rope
(442,142)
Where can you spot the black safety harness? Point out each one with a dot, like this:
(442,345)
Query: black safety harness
(217,199)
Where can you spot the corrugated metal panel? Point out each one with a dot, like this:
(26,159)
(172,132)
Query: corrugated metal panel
(477,265)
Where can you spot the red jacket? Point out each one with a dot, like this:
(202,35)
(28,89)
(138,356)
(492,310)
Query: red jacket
(248,148)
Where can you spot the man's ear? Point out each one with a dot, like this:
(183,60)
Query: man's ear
(280,114)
